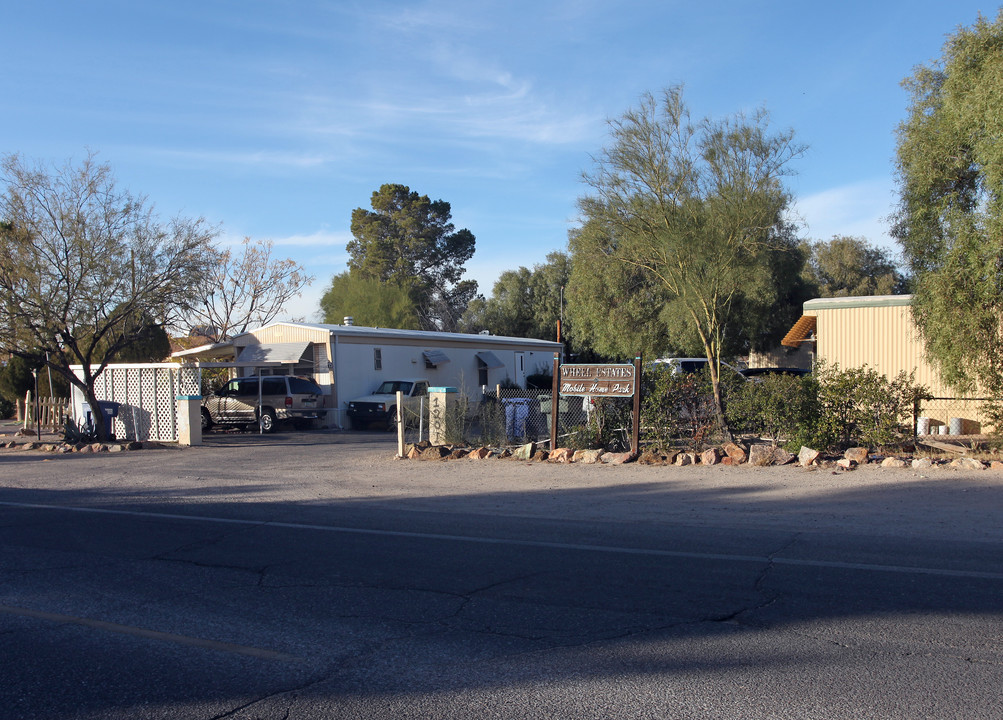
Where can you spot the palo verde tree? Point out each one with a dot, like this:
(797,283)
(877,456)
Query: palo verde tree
(85,268)
(244,288)
(693,215)
(408,241)
(949,221)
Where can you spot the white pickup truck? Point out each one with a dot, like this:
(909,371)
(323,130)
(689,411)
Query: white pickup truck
(381,406)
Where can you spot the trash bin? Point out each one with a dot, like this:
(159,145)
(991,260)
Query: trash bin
(546,407)
(109,411)
(516,413)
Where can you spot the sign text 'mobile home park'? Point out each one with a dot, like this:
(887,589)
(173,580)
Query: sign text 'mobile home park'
(599,380)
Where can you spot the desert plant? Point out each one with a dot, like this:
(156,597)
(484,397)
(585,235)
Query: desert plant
(784,408)
(607,426)
(862,406)
(676,407)
(491,421)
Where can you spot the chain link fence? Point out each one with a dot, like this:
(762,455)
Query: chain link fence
(511,416)
(956,416)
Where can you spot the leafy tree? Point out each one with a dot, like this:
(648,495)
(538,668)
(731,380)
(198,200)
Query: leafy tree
(524,303)
(616,307)
(849,266)
(950,216)
(150,341)
(244,288)
(84,266)
(509,310)
(16,379)
(408,240)
(370,302)
(691,217)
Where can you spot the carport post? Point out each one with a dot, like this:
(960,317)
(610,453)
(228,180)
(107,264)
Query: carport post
(189,419)
(400,424)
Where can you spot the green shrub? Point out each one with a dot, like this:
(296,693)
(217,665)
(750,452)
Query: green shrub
(491,421)
(609,425)
(830,408)
(783,408)
(676,408)
(860,406)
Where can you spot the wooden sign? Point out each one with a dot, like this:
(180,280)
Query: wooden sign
(598,380)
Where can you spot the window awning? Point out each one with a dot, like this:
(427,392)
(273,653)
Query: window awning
(489,360)
(800,332)
(435,357)
(273,353)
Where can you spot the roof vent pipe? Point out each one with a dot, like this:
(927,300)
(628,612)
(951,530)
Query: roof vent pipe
(349,320)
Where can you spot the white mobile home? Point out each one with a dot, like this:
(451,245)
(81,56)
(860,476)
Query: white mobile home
(349,361)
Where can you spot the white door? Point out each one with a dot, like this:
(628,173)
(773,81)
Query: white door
(520,369)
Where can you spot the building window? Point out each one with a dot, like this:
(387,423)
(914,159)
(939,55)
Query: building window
(377,358)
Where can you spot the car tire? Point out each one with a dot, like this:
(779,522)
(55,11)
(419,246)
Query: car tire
(206,420)
(267,422)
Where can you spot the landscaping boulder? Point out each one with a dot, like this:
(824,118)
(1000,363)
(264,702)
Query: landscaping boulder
(433,452)
(807,456)
(859,455)
(481,453)
(612,458)
(846,464)
(560,455)
(966,463)
(650,457)
(524,452)
(586,457)
(782,457)
(736,452)
(686,459)
(710,457)
(922,464)
(893,462)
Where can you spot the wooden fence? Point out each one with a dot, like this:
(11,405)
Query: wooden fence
(52,412)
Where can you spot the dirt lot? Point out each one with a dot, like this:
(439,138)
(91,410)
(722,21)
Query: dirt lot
(317,468)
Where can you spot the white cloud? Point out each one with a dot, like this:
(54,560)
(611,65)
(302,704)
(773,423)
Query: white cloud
(859,209)
(320,238)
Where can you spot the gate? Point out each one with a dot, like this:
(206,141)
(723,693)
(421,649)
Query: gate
(146,396)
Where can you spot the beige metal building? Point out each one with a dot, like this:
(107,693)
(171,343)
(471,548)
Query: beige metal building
(878,331)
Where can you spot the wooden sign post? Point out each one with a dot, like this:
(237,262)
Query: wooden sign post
(619,380)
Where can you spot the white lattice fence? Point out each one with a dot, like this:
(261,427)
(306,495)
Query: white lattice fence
(147,398)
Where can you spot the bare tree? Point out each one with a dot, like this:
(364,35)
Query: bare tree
(245,288)
(86,267)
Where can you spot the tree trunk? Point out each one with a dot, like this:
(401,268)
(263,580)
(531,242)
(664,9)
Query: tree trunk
(97,414)
(722,423)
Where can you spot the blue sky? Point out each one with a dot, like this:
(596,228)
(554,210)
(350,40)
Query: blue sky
(276,119)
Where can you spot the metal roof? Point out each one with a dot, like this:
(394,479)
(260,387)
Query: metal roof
(425,336)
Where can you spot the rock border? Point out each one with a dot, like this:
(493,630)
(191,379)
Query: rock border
(735,453)
(64,448)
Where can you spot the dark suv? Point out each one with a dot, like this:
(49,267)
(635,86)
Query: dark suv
(282,397)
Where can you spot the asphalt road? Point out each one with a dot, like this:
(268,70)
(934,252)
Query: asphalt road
(128,604)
